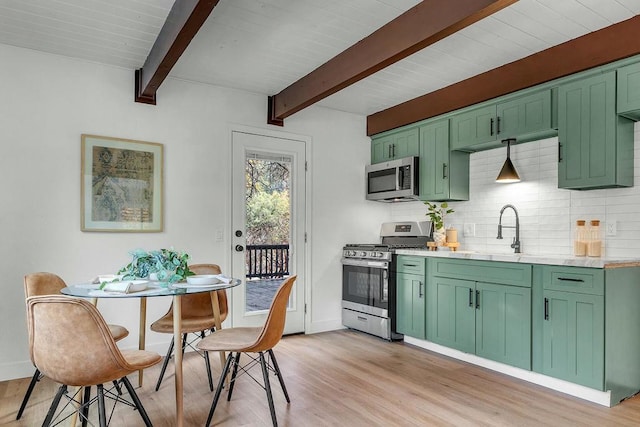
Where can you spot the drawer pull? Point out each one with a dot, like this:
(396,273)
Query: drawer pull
(364,319)
(570,279)
(409,265)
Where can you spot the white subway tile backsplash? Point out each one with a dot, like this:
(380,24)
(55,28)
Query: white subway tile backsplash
(547,213)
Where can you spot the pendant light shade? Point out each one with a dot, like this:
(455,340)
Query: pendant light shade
(508,172)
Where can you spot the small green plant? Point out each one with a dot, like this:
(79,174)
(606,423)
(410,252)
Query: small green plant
(169,265)
(437,213)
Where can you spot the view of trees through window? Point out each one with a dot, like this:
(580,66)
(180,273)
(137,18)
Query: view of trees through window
(267,202)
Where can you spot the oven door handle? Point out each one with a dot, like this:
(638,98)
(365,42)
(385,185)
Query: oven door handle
(365,263)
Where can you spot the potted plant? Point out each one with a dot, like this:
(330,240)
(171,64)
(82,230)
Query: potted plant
(437,214)
(165,265)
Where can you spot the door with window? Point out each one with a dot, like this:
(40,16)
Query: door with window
(268,220)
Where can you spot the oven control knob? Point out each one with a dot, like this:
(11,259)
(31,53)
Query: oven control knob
(363,254)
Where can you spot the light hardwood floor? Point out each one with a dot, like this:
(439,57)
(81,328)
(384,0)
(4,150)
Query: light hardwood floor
(346,378)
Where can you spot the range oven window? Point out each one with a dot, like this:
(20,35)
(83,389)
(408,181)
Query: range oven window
(365,285)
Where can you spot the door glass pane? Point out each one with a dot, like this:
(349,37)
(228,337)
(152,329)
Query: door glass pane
(268,229)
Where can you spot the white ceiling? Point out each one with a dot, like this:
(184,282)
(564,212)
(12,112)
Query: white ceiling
(263,46)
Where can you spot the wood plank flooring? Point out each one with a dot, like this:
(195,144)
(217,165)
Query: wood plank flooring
(346,378)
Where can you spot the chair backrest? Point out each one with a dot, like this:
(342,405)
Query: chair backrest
(274,326)
(70,342)
(200,304)
(42,284)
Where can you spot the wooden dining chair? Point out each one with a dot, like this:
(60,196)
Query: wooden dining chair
(70,343)
(36,284)
(197,318)
(252,340)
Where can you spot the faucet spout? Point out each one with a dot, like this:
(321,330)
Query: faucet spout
(516,241)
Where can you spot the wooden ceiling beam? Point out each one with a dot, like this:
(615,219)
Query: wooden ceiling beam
(417,28)
(184,20)
(600,47)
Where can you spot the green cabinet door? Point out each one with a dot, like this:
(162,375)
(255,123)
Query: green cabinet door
(628,99)
(596,146)
(444,175)
(503,324)
(451,313)
(526,117)
(573,337)
(410,305)
(474,128)
(395,145)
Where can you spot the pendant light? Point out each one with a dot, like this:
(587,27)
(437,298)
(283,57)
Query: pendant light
(508,172)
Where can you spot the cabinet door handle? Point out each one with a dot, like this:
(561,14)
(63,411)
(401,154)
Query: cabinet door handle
(498,126)
(477,300)
(559,151)
(491,126)
(420,292)
(546,309)
(570,279)
(470,297)
(409,265)
(389,151)
(444,171)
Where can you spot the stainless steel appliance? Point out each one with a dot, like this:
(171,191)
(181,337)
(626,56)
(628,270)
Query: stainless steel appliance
(393,181)
(368,278)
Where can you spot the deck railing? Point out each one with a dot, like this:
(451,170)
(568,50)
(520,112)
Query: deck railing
(267,261)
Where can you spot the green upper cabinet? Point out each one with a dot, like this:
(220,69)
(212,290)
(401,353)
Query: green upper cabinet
(395,145)
(596,145)
(525,118)
(444,174)
(629,91)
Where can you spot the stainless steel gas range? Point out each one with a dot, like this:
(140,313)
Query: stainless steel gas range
(368,278)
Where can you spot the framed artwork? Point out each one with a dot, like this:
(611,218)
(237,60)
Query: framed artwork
(121,185)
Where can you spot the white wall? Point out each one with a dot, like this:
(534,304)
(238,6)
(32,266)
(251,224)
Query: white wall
(547,214)
(48,101)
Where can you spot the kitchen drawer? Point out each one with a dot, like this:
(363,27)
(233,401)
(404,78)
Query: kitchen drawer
(411,264)
(573,279)
(507,273)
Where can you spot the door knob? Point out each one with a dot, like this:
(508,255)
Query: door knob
(239,248)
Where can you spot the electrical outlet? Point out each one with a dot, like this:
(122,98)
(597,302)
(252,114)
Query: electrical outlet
(219,235)
(612,228)
(469,229)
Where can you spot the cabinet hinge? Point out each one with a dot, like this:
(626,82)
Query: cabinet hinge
(306,166)
(305,308)
(305,237)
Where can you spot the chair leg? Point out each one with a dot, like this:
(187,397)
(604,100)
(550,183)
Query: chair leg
(85,406)
(102,412)
(54,405)
(223,376)
(136,400)
(184,342)
(233,376)
(279,374)
(207,363)
(267,387)
(117,387)
(36,377)
(164,364)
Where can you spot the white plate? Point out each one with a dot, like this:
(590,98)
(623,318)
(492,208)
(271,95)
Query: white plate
(203,280)
(126,286)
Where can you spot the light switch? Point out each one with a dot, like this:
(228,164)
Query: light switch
(219,235)
(469,229)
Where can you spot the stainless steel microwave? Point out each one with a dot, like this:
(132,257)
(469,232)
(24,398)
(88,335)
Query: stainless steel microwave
(393,181)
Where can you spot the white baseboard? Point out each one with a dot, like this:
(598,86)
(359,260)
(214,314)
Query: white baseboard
(586,393)
(15,370)
(324,326)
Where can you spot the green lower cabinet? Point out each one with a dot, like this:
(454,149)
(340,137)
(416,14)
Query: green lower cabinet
(451,313)
(410,305)
(573,337)
(503,324)
(490,320)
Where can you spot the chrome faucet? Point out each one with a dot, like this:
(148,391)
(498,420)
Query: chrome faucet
(516,240)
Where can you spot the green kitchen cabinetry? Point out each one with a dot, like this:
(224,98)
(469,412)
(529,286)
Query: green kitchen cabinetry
(410,297)
(524,118)
(444,174)
(586,326)
(628,99)
(481,307)
(595,144)
(394,145)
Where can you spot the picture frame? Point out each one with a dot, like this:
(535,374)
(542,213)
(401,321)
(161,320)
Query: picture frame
(121,185)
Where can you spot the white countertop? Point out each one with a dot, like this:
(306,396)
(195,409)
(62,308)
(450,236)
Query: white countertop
(527,259)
